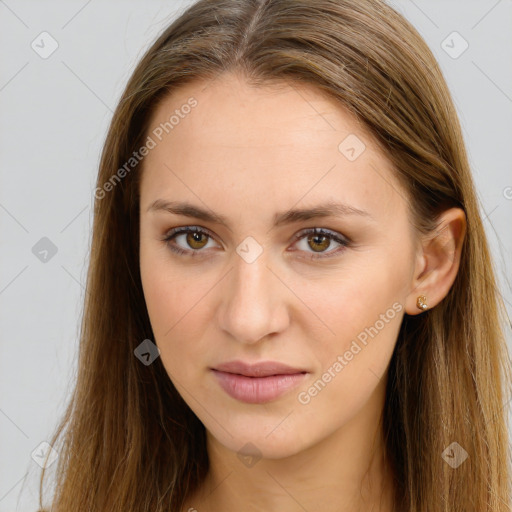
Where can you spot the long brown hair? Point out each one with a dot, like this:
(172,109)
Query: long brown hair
(128,441)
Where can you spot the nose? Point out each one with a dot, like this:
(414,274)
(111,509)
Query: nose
(254,301)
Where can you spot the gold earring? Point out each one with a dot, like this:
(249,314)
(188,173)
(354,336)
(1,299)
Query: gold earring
(421,302)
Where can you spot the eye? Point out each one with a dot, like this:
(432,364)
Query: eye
(194,239)
(319,240)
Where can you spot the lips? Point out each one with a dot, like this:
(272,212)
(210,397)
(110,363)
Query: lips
(262,369)
(257,383)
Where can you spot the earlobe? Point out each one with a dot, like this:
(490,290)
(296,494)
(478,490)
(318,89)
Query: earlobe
(440,260)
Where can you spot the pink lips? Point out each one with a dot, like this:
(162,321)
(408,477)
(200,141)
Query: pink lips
(257,383)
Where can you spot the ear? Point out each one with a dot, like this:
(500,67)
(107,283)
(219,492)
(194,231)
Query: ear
(438,261)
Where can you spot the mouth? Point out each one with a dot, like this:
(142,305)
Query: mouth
(261,369)
(257,383)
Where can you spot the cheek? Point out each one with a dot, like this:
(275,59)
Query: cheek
(355,296)
(169,292)
(352,365)
(357,314)
(177,305)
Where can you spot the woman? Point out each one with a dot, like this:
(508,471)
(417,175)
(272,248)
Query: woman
(291,303)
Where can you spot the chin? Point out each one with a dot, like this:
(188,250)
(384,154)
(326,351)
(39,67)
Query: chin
(256,442)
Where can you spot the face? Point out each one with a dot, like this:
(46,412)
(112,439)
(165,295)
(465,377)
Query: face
(238,276)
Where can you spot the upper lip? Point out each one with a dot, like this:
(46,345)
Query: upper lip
(261,369)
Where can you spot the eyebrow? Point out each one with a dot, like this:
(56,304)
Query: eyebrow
(329,209)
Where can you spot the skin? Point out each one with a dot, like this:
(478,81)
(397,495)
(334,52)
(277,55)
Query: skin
(248,153)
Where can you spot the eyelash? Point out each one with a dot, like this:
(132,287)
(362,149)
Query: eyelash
(343,241)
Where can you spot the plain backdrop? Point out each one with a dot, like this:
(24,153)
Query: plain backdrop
(55,110)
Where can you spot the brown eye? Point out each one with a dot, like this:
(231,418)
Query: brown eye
(188,240)
(194,240)
(319,243)
(316,242)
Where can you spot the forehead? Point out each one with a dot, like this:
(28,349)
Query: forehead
(234,113)
(261,144)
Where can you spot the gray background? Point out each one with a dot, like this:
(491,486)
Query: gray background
(54,116)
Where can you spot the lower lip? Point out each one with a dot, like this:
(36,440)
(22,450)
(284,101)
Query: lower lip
(257,390)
